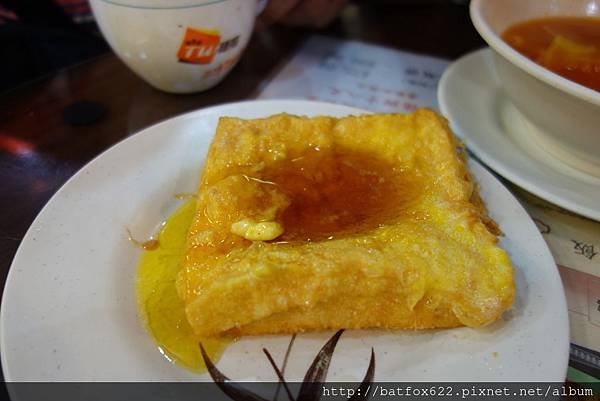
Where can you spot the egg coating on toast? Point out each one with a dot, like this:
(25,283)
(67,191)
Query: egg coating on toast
(322,223)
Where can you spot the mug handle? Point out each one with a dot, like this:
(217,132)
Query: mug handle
(260,6)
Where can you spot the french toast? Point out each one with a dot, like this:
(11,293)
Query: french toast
(370,221)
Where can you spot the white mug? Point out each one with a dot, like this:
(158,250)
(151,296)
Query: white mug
(178,46)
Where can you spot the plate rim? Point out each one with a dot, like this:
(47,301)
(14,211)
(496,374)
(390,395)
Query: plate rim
(206,110)
(491,159)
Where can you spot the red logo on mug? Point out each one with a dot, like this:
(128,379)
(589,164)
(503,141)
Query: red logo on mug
(198,46)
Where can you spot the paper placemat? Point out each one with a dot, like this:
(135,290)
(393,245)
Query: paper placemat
(360,75)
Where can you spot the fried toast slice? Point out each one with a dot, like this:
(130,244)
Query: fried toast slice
(369,221)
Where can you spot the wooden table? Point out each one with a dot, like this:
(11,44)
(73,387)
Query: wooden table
(39,151)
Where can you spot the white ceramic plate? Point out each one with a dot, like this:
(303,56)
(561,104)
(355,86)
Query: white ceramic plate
(69,310)
(495,131)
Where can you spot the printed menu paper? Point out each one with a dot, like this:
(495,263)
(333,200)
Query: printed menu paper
(360,75)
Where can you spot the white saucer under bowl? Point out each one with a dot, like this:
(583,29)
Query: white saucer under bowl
(471,96)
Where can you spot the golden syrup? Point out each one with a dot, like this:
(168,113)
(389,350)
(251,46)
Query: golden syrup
(335,193)
(148,245)
(158,302)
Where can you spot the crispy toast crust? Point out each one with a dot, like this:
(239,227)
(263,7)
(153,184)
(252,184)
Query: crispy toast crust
(423,255)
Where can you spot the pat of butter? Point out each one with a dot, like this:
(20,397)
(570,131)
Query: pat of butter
(257,231)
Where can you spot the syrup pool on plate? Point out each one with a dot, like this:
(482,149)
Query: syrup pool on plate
(159,305)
